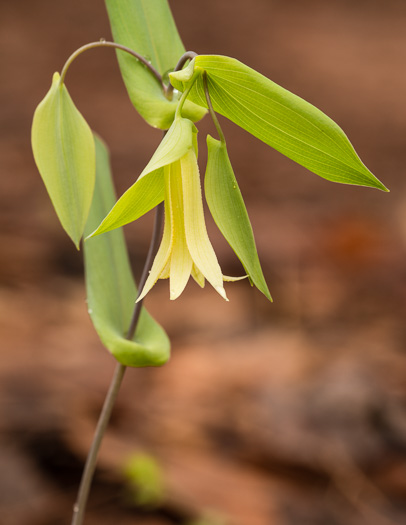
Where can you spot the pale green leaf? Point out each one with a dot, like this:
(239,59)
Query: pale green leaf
(279,118)
(179,139)
(145,473)
(149,189)
(64,153)
(228,210)
(147,27)
(111,291)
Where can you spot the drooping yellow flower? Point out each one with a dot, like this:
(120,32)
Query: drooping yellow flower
(185,249)
(172,176)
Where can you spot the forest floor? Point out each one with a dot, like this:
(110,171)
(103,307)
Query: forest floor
(290,413)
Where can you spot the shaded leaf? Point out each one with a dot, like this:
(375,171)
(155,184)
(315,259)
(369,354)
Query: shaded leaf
(64,153)
(279,118)
(149,189)
(111,291)
(148,28)
(228,210)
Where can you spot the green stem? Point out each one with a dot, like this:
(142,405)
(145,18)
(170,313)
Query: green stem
(90,466)
(103,43)
(211,110)
(185,94)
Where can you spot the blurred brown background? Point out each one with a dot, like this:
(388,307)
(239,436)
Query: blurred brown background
(267,414)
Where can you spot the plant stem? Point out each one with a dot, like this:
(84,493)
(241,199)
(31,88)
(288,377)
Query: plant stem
(87,476)
(90,466)
(189,55)
(153,247)
(104,43)
(185,94)
(211,110)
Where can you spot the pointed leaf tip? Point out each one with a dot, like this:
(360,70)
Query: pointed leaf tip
(281,119)
(64,153)
(229,212)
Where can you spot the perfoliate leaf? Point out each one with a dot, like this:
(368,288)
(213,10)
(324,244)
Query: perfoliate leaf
(64,153)
(148,28)
(149,189)
(228,210)
(279,118)
(111,291)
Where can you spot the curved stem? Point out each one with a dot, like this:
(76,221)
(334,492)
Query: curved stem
(103,43)
(90,466)
(211,110)
(189,55)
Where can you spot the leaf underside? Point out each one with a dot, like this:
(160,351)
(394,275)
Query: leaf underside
(148,27)
(281,119)
(149,189)
(111,291)
(228,210)
(64,153)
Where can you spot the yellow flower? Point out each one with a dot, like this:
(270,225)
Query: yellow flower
(172,176)
(185,249)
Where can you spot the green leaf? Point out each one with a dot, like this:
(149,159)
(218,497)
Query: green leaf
(147,27)
(149,189)
(279,118)
(146,476)
(64,153)
(111,291)
(228,210)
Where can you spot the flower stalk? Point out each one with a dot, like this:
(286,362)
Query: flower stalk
(104,43)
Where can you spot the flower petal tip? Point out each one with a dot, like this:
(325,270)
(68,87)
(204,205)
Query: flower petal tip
(222,292)
(234,279)
(173,294)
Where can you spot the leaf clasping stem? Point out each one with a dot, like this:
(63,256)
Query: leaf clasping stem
(211,109)
(185,94)
(90,466)
(104,43)
(189,55)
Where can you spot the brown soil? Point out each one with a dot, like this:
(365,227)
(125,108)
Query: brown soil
(267,414)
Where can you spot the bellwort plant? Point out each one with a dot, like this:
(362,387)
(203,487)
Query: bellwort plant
(171,89)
